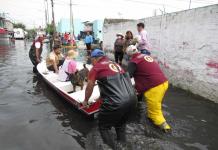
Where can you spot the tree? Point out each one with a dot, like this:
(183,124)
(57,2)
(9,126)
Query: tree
(20,25)
(31,33)
(49,29)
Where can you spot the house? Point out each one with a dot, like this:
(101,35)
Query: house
(80,28)
(64,26)
(97,30)
(6,30)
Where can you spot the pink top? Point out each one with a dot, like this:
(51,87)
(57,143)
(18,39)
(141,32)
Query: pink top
(68,66)
(143,41)
(72,67)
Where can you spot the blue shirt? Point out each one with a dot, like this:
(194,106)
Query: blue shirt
(88,39)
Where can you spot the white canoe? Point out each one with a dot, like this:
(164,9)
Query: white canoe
(65,89)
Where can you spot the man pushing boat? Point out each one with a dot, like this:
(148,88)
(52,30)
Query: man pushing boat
(151,83)
(117,94)
(36,51)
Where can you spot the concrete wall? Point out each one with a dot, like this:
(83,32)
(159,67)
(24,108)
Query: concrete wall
(185,44)
(97,29)
(64,26)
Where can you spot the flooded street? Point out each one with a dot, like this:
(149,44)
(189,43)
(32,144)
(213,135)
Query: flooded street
(34,117)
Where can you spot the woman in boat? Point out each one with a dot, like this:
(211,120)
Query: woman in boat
(55,59)
(69,66)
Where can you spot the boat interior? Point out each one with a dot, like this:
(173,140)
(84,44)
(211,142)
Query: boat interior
(66,87)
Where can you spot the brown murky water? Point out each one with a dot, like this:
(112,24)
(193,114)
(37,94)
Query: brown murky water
(32,116)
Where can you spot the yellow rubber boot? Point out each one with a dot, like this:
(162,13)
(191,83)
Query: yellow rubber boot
(154,97)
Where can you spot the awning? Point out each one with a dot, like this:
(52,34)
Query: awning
(3,31)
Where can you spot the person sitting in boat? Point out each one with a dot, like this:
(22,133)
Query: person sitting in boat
(55,59)
(68,67)
(117,94)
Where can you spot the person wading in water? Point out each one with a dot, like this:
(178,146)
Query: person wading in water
(150,82)
(36,51)
(117,94)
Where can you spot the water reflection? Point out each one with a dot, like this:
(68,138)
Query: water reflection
(74,123)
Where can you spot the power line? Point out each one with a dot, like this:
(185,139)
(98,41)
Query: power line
(198,1)
(150,3)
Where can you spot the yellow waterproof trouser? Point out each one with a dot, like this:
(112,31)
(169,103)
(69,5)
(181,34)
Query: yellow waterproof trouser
(153,98)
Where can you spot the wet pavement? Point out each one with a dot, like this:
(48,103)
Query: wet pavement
(32,116)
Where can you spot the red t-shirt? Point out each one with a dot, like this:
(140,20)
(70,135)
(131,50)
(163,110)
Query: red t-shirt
(147,74)
(104,68)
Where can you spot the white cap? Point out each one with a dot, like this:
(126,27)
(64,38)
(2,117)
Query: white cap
(131,50)
(121,34)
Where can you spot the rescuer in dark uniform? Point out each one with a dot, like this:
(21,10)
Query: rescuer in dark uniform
(36,51)
(117,94)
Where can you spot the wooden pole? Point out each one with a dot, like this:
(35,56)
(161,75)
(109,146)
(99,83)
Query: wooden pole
(53,18)
(190,1)
(71,19)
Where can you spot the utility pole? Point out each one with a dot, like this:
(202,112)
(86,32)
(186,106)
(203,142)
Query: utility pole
(53,18)
(47,10)
(46,19)
(190,1)
(53,25)
(71,20)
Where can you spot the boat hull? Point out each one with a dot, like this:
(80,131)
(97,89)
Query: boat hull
(93,107)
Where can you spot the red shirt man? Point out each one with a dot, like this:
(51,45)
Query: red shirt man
(147,73)
(116,92)
(149,81)
(103,68)
(35,52)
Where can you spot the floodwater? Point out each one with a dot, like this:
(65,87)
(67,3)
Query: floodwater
(34,117)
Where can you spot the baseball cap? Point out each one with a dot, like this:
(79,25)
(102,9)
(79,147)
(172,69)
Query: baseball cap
(120,34)
(97,53)
(131,50)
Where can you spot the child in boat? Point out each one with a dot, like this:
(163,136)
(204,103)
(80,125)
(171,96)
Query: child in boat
(68,67)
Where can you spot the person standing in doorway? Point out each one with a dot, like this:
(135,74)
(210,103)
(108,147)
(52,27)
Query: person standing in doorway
(36,51)
(118,48)
(142,38)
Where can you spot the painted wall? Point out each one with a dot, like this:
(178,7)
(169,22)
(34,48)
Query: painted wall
(9,25)
(185,44)
(64,26)
(97,29)
(78,26)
